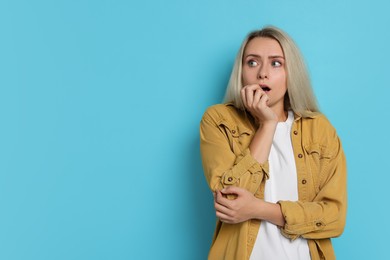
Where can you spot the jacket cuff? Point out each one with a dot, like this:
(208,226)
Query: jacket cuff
(244,163)
(297,223)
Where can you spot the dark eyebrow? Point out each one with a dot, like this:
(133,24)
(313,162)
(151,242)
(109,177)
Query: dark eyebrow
(269,57)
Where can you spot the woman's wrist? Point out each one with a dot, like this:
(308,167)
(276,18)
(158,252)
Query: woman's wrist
(270,212)
(271,124)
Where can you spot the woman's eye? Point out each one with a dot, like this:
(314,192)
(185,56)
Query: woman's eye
(276,63)
(252,63)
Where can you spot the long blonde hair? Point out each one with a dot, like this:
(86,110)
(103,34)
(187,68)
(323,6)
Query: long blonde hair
(299,97)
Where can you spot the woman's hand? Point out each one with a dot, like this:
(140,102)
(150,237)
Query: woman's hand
(246,206)
(255,101)
(238,210)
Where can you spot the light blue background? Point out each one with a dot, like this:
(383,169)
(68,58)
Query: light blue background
(100,103)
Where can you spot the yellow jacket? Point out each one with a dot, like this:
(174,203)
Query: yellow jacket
(320,213)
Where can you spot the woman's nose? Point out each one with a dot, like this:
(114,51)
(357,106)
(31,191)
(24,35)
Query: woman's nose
(263,72)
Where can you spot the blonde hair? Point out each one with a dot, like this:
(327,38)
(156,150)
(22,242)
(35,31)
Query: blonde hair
(299,97)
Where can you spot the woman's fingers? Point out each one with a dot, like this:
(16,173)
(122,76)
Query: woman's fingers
(222,209)
(223,217)
(221,200)
(259,93)
(249,96)
(243,97)
(255,100)
(233,211)
(264,100)
(248,93)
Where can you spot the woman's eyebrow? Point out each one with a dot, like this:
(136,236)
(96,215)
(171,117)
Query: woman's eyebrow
(275,57)
(269,57)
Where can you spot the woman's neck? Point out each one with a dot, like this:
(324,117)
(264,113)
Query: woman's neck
(281,113)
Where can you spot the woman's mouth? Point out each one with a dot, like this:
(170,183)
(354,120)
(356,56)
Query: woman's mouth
(265,88)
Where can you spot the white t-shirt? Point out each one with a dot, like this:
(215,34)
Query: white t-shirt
(282,185)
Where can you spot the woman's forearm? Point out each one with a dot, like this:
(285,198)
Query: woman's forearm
(262,141)
(270,212)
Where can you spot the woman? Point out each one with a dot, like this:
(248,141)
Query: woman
(273,161)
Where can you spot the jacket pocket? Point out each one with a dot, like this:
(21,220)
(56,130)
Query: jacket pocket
(318,157)
(239,137)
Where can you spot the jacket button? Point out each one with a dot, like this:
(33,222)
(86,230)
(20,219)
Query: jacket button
(230,179)
(300,155)
(233,131)
(295,132)
(304,182)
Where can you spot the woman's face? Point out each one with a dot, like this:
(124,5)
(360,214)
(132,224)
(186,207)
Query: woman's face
(264,64)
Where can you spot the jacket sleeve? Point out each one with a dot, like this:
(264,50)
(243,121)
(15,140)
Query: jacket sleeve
(325,215)
(224,162)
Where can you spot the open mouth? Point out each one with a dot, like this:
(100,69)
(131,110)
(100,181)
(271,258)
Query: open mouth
(265,88)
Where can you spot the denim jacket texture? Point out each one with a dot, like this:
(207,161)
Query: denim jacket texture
(320,212)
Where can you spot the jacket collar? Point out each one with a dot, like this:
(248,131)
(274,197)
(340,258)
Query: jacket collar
(296,115)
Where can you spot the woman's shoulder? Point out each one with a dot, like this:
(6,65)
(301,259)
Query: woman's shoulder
(317,119)
(220,112)
(320,129)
